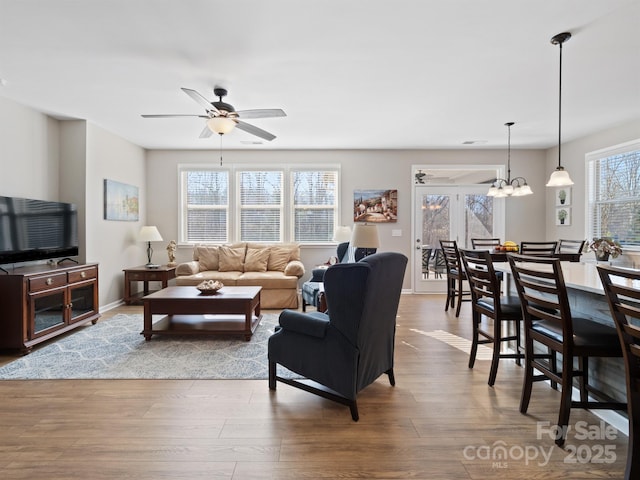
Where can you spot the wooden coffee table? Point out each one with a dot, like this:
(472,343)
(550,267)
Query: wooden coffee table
(231,311)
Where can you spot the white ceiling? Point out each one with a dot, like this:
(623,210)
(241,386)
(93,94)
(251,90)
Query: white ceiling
(350,74)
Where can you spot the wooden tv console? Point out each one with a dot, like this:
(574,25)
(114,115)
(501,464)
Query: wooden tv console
(39,302)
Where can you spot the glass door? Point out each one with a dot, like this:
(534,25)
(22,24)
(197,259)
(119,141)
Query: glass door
(449,213)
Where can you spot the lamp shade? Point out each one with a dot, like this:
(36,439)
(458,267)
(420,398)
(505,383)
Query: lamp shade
(365,236)
(221,125)
(342,234)
(559,178)
(149,234)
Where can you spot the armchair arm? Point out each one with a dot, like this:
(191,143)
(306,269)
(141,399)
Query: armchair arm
(294,268)
(188,268)
(313,324)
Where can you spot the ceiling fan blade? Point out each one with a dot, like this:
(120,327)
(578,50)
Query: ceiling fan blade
(252,129)
(172,115)
(201,100)
(206,132)
(262,113)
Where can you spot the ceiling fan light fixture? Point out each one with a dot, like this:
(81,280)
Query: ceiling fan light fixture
(221,125)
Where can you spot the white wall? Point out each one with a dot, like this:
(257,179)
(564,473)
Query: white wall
(112,243)
(361,169)
(29,152)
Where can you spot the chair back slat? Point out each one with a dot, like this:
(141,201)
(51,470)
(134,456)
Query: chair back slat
(570,246)
(479,243)
(481,276)
(542,291)
(538,248)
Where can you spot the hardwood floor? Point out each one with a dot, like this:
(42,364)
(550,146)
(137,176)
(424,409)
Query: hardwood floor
(440,421)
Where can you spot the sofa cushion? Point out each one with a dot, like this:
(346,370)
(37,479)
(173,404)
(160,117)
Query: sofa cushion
(227,278)
(256,259)
(268,280)
(188,268)
(231,259)
(207,256)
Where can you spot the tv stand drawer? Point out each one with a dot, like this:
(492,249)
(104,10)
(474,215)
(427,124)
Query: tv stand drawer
(47,282)
(83,274)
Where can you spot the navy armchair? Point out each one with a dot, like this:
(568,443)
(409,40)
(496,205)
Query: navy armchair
(341,352)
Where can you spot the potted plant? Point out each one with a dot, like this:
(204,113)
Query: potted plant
(562,195)
(605,247)
(562,215)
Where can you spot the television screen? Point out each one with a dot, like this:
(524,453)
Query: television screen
(37,230)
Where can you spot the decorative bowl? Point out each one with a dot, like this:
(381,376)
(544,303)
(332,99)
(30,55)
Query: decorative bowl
(209,287)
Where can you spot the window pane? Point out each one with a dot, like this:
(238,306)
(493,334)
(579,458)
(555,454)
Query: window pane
(261,206)
(315,205)
(436,220)
(478,217)
(207,199)
(614,203)
(313,225)
(206,226)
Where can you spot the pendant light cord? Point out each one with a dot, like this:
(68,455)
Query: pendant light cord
(509,153)
(560,111)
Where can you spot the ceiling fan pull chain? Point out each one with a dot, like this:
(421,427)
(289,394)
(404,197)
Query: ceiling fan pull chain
(220,149)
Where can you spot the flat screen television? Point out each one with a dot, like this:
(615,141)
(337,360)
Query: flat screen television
(37,230)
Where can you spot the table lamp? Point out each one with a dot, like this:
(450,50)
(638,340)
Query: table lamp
(342,234)
(365,236)
(149,234)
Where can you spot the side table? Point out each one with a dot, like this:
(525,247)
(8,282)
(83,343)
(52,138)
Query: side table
(142,273)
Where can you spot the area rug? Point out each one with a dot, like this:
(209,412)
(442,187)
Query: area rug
(114,349)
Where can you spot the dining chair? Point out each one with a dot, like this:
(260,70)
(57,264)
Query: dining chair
(488,302)
(622,289)
(456,276)
(481,243)
(570,246)
(547,249)
(548,322)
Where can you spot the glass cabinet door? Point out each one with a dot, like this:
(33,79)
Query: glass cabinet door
(82,302)
(48,312)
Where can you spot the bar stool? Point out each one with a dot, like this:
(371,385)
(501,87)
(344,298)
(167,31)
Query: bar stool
(487,301)
(548,322)
(622,289)
(455,276)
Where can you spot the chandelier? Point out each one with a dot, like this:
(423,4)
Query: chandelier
(516,187)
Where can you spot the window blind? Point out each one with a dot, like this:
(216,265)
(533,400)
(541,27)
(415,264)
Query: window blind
(614,201)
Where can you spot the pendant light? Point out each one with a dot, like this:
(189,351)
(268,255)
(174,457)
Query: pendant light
(507,187)
(560,177)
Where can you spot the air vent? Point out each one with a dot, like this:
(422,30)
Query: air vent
(474,142)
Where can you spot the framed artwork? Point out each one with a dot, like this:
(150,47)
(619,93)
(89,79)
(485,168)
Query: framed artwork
(120,201)
(563,216)
(375,206)
(563,196)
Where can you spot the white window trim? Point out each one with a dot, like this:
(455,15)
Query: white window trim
(633,145)
(288,216)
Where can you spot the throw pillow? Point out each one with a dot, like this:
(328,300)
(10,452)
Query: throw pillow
(207,256)
(256,260)
(231,259)
(278,258)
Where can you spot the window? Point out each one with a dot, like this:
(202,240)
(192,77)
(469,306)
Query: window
(241,203)
(613,199)
(260,206)
(205,206)
(314,205)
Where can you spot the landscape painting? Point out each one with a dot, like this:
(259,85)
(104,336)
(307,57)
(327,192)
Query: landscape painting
(375,206)
(120,201)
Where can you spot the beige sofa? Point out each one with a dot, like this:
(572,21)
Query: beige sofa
(275,268)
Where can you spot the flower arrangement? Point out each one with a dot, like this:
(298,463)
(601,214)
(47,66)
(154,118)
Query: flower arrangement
(605,246)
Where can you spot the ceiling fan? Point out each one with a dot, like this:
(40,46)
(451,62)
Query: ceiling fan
(222,117)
